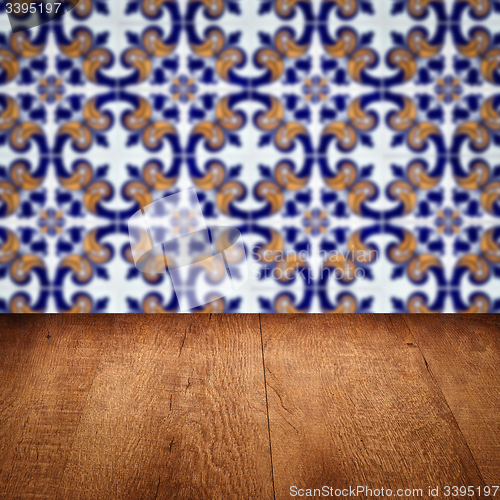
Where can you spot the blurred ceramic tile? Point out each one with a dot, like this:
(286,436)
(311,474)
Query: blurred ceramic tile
(356,145)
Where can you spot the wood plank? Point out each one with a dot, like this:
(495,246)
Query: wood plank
(15,354)
(463,354)
(351,403)
(177,410)
(47,367)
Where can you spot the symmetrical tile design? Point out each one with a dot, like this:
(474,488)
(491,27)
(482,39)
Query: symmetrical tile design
(355,144)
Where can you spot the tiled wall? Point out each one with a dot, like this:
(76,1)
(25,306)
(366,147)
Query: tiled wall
(355,144)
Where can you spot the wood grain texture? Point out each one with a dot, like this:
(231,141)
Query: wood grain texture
(47,368)
(351,402)
(463,354)
(177,410)
(182,406)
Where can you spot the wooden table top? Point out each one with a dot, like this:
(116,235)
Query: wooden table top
(247,406)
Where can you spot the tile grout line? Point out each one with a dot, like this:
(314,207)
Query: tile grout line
(58,494)
(433,378)
(267,406)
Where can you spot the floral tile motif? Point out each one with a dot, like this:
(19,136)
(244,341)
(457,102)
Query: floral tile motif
(355,144)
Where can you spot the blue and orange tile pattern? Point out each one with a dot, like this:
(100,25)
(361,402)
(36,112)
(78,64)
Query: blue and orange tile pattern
(317,127)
